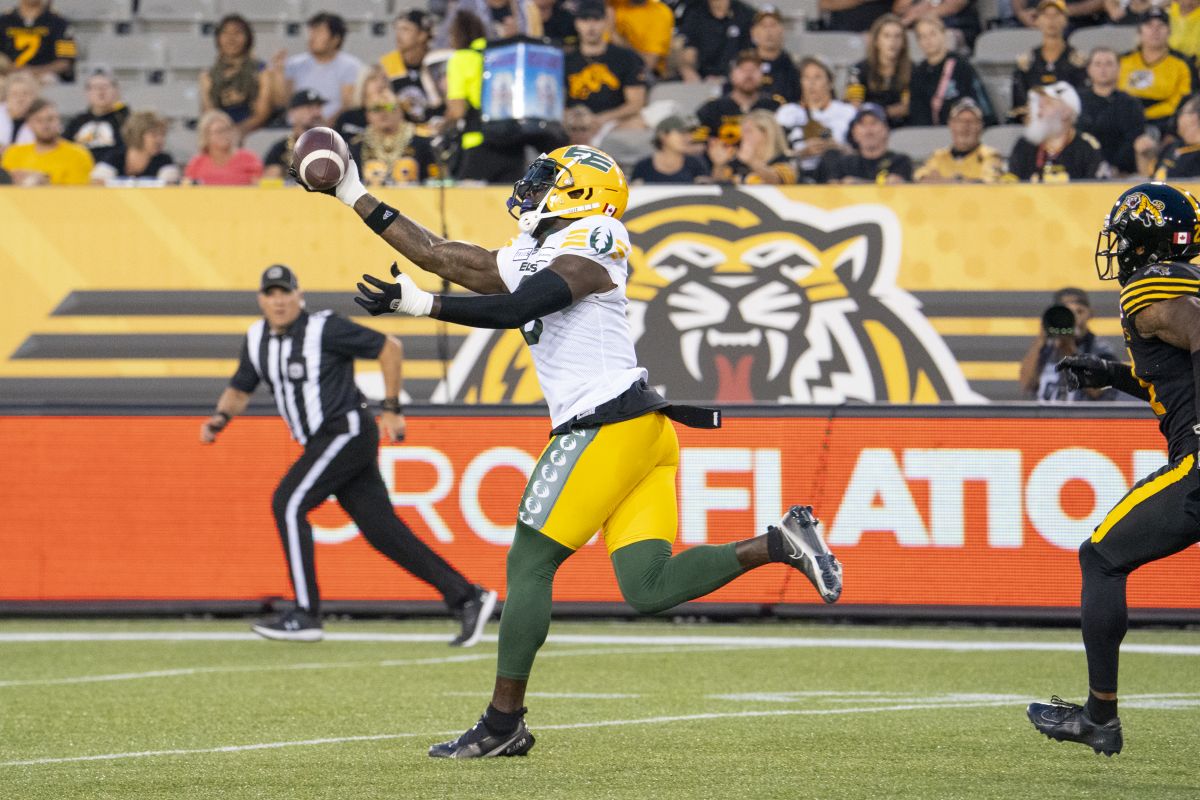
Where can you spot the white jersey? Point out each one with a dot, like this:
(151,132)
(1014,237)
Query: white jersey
(584,354)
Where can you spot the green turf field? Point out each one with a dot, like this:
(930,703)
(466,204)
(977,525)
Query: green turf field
(623,710)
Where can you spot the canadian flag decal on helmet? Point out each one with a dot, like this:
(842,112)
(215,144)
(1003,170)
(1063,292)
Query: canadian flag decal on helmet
(1181,237)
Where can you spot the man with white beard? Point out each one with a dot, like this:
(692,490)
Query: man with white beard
(1051,150)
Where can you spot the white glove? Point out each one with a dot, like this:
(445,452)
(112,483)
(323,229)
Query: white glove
(414,301)
(402,296)
(350,188)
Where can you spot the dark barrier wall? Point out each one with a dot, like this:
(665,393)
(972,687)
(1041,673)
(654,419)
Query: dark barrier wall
(928,507)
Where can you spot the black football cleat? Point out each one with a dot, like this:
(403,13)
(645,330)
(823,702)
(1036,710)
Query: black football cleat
(480,742)
(474,614)
(294,626)
(806,551)
(1067,722)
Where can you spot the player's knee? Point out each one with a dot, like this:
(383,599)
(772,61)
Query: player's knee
(1092,562)
(279,504)
(645,602)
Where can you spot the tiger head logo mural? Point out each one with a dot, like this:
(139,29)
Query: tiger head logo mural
(741,295)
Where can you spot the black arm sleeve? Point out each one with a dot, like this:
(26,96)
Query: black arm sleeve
(245,379)
(544,293)
(1123,380)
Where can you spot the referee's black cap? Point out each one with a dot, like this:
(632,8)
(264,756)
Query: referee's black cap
(279,275)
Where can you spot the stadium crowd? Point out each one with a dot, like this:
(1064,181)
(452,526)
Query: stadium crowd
(685,91)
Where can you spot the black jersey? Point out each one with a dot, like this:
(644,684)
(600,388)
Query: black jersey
(1164,369)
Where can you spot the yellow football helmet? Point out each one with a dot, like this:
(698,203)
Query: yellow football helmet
(572,182)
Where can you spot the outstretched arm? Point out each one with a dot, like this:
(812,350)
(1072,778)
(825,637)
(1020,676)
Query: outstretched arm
(465,264)
(567,280)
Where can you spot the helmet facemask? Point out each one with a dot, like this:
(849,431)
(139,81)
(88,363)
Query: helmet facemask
(545,176)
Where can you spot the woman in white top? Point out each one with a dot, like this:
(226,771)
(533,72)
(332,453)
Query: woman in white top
(819,122)
(20,90)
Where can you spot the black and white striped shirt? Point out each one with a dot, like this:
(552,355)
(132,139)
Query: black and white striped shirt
(309,368)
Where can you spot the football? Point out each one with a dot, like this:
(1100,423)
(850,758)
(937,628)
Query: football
(320,158)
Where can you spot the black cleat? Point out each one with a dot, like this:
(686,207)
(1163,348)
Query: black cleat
(480,742)
(1067,722)
(474,614)
(806,551)
(295,626)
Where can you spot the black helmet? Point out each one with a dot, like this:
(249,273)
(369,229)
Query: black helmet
(1149,223)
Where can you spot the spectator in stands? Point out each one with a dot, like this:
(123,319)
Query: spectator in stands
(502,19)
(1112,116)
(325,69)
(671,161)
(1051,150)
(781,79)
(552,19)
(1053,61)
(647,28)
(854,15)
(304,112)
(238,83)
(1126,12)
(404,65)
(389,152)
(220,162)
(581,126)
(608,79)
(142,152)
(721,117)
(372,83)
(1153,74)
(33,37)
(1181,158)
(1079,13)
(942,79)
(871,161)
(884,77)
(819,122)
(1185,27)
(1064,332)
(714,32)
(20,90)
(960,16)
(967,159)
(49,158)
(761,157)
(99,128)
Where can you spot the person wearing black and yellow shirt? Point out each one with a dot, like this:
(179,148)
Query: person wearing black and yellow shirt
(99,128)
(609,80)
(967,159)
(781,79)
(35,38)
(402,66)
(871,162)
(1053,61)
(885,75)
(388,152)
(1153,73)
(721,118)
(1112,116)
(714,32)
(1051,150)
(761,157)
(1181,158)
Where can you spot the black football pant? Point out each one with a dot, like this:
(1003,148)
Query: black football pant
(1148,523)
(342,461)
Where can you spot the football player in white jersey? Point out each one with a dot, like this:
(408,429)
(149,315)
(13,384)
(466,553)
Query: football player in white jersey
(612,458)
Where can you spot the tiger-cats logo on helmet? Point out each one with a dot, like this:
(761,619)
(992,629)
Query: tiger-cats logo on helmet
(743,295)
(1138,206)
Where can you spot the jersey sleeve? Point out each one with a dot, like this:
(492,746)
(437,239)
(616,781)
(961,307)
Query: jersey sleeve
(246,378)
(350,339)
(1158,282)
(603,240)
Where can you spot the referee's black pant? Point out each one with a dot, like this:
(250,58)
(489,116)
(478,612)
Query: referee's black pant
(342,460)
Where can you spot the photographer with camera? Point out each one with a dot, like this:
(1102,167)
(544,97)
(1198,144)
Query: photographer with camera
(1064,333)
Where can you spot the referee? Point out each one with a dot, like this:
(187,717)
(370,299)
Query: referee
(307,363)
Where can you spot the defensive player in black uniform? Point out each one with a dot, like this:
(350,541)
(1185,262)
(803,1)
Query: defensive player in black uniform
(1150,234)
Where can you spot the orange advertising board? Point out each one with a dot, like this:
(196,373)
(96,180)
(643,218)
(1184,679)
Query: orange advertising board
(978,511)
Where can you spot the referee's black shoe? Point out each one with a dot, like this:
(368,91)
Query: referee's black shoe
(480,742)
(296,625)
(1067,722)
(474,614)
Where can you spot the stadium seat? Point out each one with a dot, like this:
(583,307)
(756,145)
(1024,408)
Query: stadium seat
(265,15)
(260,141)
(188,51)
(368,48)
(628,146)
(835,48)
(179,101)
(182,143)
(688,96)
(359,14)
(267,44)
(798,13)
(171,16)
(124,55)
(919,142)
(999,88)
(69,98)
(1002,137)
(92,16)
(1001,47)
(1119,37)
